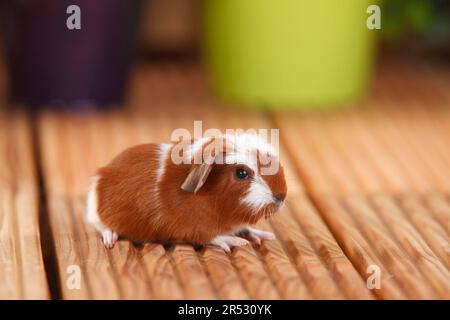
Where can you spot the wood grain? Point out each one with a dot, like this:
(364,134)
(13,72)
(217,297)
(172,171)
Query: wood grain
(304,257)
(335,216)
(284,274)
(191,273)
(76,244)
(409,277)
(10,287)
(440,208)
(161,273)
(255,277)
(432,232)
(132,279)
(357,247)
(223,274)
(415,245)
(341,268)
(22,271)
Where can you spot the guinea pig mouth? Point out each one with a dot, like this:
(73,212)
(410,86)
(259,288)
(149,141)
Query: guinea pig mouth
(271,209)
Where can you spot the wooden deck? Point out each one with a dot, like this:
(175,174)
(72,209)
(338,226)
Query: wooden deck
(368,186)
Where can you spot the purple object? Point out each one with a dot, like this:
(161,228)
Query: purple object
(52,66)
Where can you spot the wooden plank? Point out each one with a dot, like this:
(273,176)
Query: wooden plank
(375,156)
(9,270)
(191,273)
(133,282)
(162,276)
(409,277)
(415,212)
(351,283)
(414,244)
(415,164)
(440,209)
(373,228)
(439,121)
(285,276)
(255,277)
(388,136)
(223,274)
(304,257)
(310,129)
(427,222)
(432,232)
(27,212)
(350,156)
(417,137)
(83,151)
(10,277)
(68,253)
(356,247)
(22,271)
(342,270)
(102,276)
(75,245)
(336,217)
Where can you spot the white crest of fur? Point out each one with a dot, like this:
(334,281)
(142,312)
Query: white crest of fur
(195,147)
(164,152)
(242,158)
(109,236)
(250,142)
(91,204)
(245,146)
(163,155)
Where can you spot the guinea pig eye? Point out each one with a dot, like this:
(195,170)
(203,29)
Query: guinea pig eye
(241,174)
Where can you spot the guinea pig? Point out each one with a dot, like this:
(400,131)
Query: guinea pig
(205,191)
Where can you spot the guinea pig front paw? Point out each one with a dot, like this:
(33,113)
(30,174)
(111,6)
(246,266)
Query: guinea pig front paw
(109,238)
(226,242)
(254,235)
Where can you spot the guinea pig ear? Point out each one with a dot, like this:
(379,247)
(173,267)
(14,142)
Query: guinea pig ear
(199,172)
(196,177)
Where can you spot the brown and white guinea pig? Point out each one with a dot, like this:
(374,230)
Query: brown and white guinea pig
(205,191)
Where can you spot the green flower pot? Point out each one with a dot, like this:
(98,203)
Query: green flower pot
(288,53)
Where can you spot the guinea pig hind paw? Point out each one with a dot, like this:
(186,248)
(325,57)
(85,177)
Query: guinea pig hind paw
(227,242)
(109,238)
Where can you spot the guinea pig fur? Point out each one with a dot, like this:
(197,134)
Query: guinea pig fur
(145,195)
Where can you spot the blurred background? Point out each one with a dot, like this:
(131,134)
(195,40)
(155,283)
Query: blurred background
(260,54)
